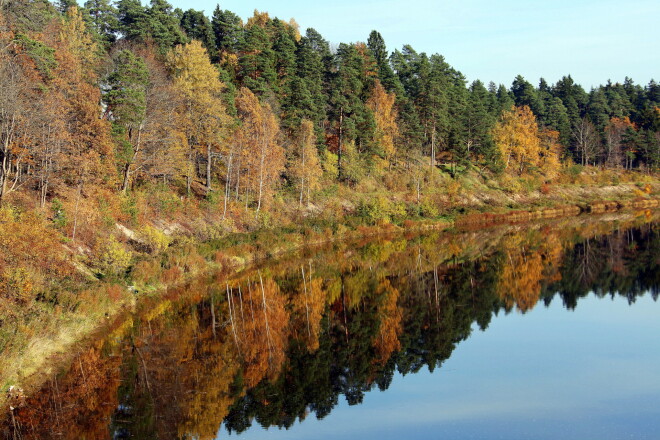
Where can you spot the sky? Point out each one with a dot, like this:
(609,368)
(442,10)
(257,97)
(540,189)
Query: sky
(492,40)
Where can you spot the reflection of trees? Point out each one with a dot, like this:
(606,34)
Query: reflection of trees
(277,344)
(178,373)
(78,405)
(308,302)
(528,261)
(625,263)
(263,333)
(438,307)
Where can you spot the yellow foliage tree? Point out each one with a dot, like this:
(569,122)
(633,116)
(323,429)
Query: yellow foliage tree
(306,166)
(308,307)
(206,120)
(263,157)
(381,104)
(551,150)
(517,137)
(387,340)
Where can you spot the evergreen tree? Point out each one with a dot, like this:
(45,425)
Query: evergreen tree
(257,61)
(524,93)
(312,54)
(504,99)
(64,5)
(103,17)
(353,121)
(198,27)
(573,97)
(126,101)
(478,123)
(227,30)
(376,45)
(133,20)
(164,25)
(156,22)
(284,51)
(598,110)
(557,119)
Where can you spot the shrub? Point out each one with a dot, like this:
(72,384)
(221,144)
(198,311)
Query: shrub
(128,207)
(115,259)
(59,215)
(156,239)
(380,209)
(428,209)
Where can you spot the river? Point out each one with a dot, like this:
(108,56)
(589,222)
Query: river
(536,331)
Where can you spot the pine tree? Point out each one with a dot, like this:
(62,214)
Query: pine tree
(257,61)
(227,30)
(376,45)
(198,27)
(126,101)
(103,16)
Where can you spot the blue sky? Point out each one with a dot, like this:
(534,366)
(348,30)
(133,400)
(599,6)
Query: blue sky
(593,40)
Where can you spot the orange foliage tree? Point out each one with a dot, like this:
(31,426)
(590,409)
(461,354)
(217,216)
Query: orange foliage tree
(262,156)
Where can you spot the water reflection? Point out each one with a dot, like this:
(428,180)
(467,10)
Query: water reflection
(281,342)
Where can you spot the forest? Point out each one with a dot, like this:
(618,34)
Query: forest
(109,98)
(131,133)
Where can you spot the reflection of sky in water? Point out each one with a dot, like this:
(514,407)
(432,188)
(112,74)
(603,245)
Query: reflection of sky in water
(592,373)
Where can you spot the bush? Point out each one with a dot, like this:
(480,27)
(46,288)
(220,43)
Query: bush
(428,209)
(380,209)
(59,215)
(128,207)
(115,259)
(164,201)
(156,239)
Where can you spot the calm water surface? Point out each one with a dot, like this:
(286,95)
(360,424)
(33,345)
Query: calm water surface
(587,374)
(542,331)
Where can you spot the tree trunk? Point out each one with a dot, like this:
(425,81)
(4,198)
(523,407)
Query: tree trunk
(126,172)
(4,156)
(75,213)
(209,158)
(302,174)
(227,184)
(127,167)
(433,147)
(261,174)
(341,140)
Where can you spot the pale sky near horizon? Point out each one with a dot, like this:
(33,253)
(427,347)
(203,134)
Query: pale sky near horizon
(593,40)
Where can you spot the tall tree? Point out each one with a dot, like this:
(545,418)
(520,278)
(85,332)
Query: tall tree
(126,101)
(198,27)
(376,44)
(305,165)
(103,16)
(381,104)
(587,142)
(264,157)
(207,122)
(516,136)
(227,30)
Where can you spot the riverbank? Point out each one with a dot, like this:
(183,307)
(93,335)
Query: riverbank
(165,251)
(43,354)
(187,357)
